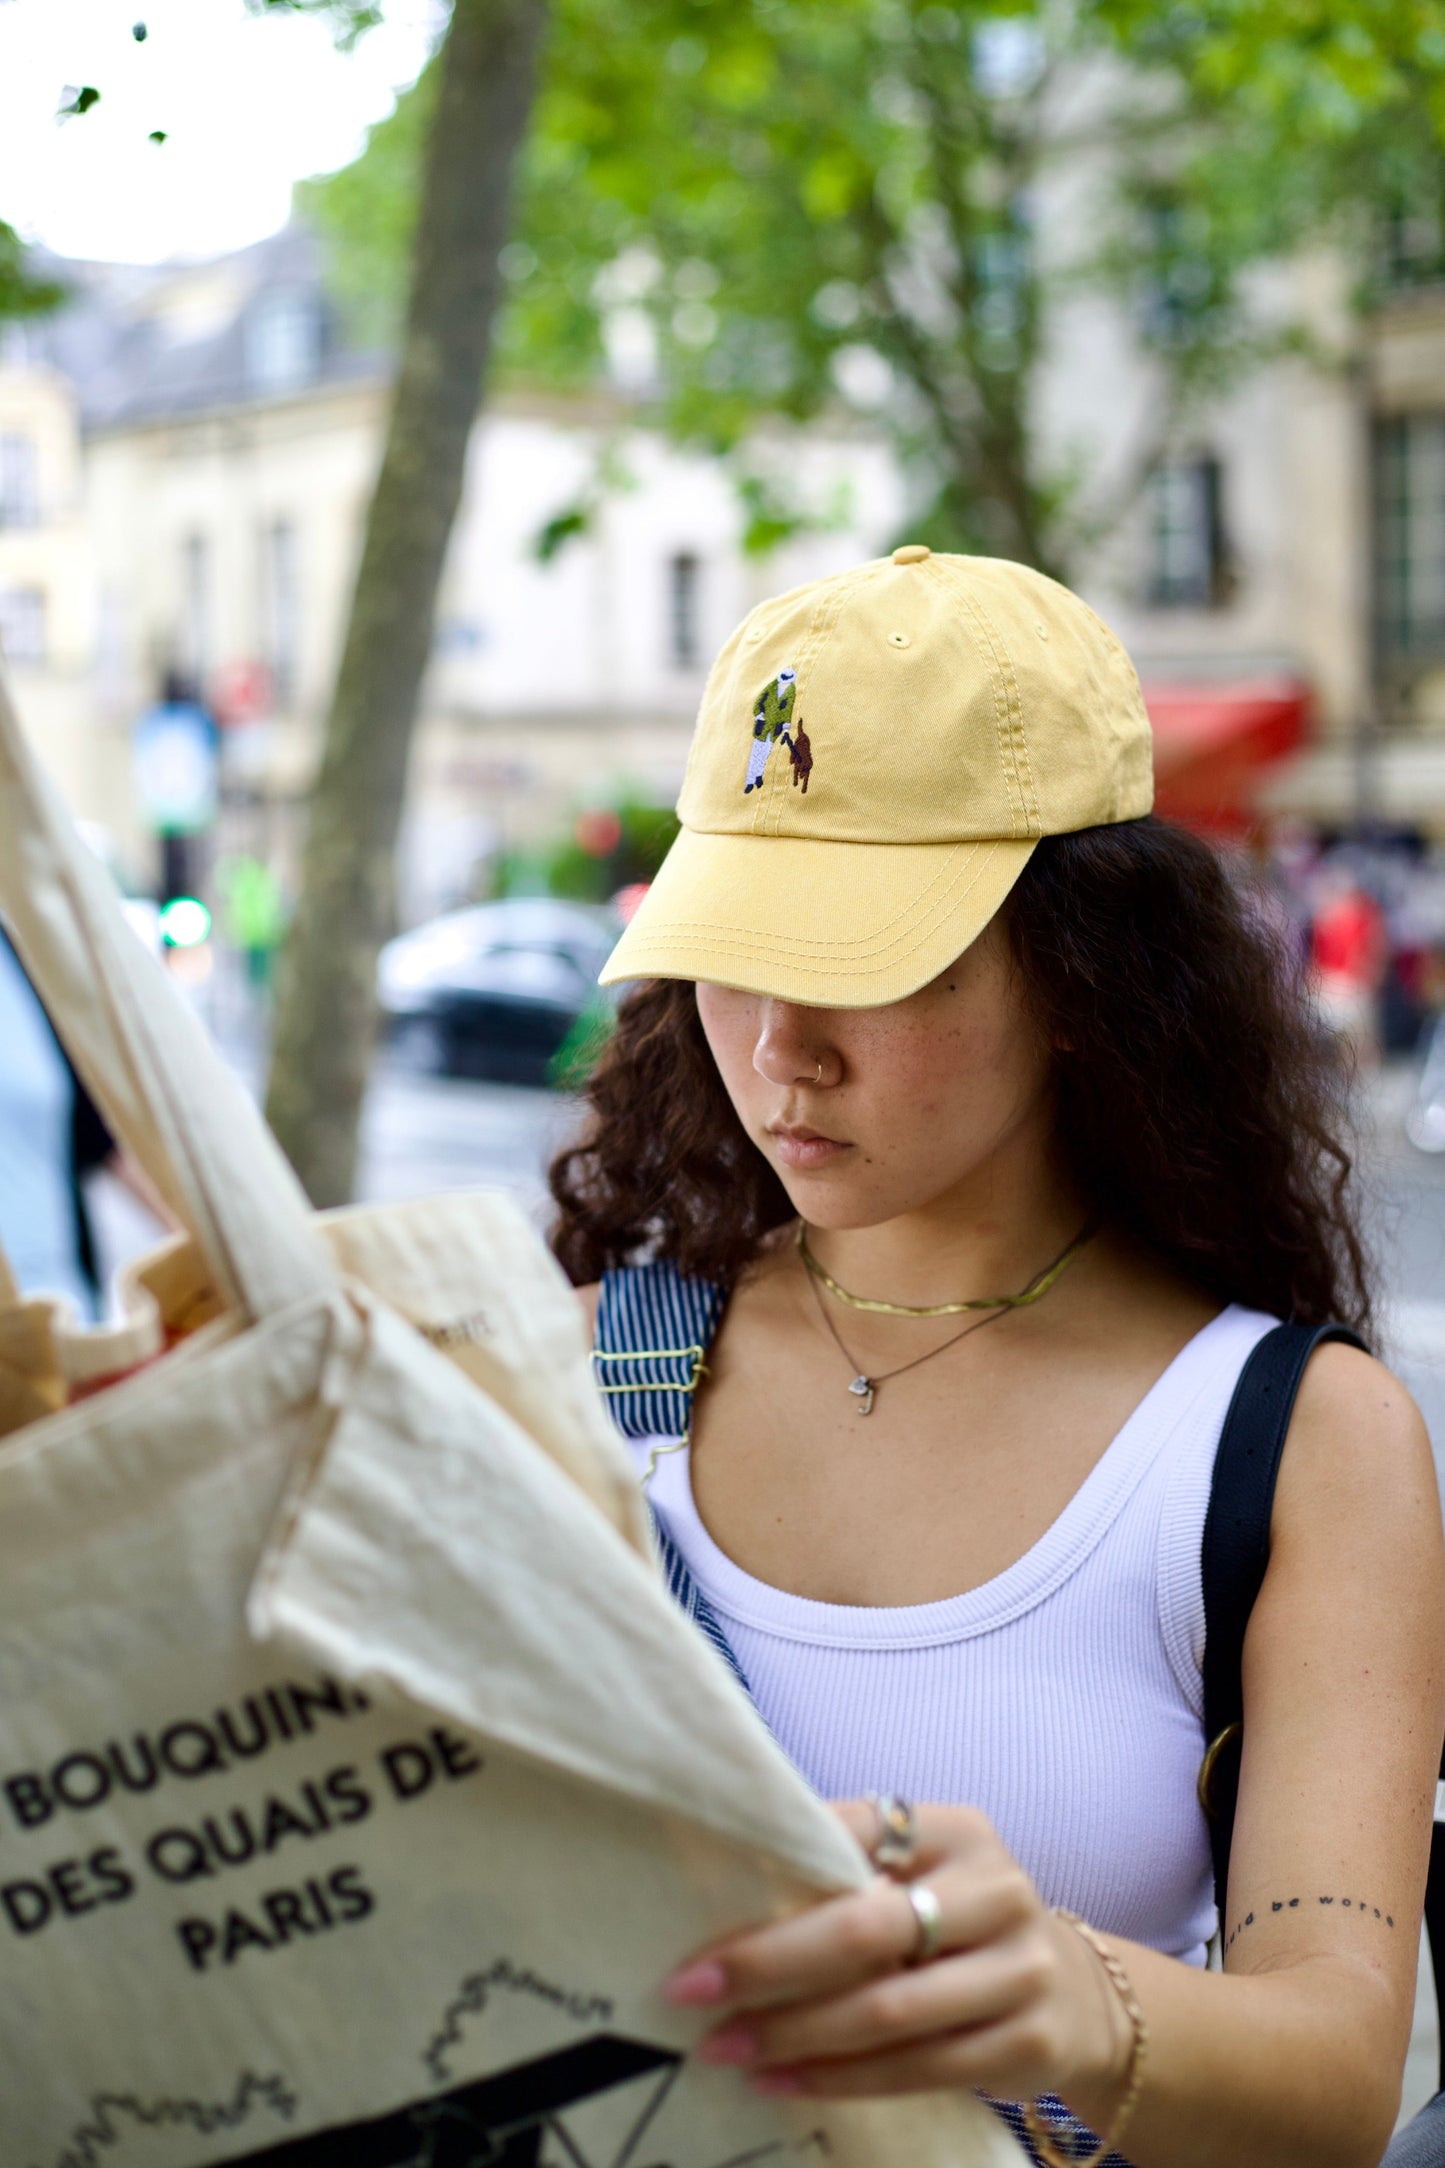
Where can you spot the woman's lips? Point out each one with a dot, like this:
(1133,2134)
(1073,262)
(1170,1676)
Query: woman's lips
(804,1148)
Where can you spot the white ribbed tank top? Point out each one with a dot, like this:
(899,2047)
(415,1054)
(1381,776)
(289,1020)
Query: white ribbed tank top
(1064,1697)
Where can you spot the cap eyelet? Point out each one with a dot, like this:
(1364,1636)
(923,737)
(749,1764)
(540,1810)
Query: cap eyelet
(1042,631)
(899,639)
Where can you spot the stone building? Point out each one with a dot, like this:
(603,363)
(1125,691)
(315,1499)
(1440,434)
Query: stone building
(230,444)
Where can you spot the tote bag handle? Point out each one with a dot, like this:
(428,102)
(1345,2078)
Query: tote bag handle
(145,1058)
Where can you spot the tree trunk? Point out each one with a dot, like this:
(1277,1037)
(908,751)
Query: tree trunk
(326,1014)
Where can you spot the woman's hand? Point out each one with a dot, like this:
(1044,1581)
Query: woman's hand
(829,2004)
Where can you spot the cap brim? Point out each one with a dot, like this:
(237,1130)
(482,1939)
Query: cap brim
(837,925)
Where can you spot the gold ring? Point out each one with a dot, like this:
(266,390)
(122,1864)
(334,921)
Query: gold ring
(819,1077)
(928,1918)
(897,1840)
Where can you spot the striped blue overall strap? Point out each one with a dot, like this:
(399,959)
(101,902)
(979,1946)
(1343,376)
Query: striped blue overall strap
(649,1352)
(654,1329)
(1064,2127)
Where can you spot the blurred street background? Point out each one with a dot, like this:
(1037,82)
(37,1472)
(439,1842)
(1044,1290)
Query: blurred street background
(402,400)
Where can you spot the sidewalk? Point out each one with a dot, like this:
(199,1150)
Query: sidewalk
(1409,1229)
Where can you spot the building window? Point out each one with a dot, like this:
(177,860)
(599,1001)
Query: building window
(1410,534)
(196,607)
(1179,287)
(1186,530)
(19,481)
(22,345)
(1412,245)
(283,341)
(22,624)
(684,627)
(282,607)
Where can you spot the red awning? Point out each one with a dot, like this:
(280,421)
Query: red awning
(1211,743)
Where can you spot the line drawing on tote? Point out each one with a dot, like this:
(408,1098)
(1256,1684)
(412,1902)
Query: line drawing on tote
(516,2118)
(816,2141)
(470,2000)
(102,2130)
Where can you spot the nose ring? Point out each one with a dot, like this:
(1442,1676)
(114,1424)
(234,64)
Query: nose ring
(819,1077)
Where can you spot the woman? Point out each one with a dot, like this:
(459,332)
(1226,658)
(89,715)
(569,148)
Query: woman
(966,1023)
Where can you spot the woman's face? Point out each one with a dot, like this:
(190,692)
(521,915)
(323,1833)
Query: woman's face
(915,1100)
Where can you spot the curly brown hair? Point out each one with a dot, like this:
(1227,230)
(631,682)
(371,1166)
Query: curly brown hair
(1200,1108)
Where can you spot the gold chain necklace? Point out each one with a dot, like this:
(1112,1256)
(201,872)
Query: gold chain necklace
(1037,1287)
(864,1387)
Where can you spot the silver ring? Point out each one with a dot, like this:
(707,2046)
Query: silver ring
(928,1916)
(897,1831)
(819,1077)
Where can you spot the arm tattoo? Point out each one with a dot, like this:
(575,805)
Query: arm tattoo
(1291,1904)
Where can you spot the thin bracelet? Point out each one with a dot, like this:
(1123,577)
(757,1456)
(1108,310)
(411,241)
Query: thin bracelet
(1119,1980)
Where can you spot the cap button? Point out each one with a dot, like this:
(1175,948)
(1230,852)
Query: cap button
(912,553)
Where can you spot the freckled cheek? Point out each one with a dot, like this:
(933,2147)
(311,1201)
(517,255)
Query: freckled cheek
(943,1079)
(931,1073)
(731,1033)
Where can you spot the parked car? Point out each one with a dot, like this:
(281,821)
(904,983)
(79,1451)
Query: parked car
(496,990)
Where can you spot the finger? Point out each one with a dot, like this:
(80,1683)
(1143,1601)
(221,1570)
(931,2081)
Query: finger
(944,1833)
(980,1989)
(831,1945)
(1012,2060)
(857,1937)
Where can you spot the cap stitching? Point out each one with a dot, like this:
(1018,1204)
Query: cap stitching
(752,940)
(985,645)
(1033,818)
(1011,740)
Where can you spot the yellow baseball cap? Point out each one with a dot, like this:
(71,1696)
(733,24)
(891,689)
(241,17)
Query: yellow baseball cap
(875,758)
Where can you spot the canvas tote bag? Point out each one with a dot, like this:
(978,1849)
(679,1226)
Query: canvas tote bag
(358,1781)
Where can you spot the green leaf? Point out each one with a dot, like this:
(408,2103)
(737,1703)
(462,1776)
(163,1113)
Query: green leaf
(563,527)
(21,294)
(856,185)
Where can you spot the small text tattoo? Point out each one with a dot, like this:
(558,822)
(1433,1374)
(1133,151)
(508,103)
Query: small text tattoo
(1292,1904)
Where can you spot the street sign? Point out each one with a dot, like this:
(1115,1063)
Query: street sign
(242,692)
(174,769)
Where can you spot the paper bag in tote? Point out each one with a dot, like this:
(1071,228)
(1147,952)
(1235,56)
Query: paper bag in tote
(358,1781)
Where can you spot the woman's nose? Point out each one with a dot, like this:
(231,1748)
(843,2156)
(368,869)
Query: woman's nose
(789,1049)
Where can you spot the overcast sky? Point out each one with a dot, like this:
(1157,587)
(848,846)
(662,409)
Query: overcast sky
(249,105)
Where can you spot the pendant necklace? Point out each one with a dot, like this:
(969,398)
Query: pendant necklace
(865,1388)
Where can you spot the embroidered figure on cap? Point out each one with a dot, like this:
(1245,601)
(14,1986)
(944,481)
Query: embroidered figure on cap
(770,724)
(800,752)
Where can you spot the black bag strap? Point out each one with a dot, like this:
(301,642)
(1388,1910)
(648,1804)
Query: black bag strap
(1236,1554)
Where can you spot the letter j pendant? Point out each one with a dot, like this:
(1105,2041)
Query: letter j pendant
(864,1389)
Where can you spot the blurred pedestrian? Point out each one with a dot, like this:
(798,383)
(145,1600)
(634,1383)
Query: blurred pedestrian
(53,1138)
(254,917)
(1348,959)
